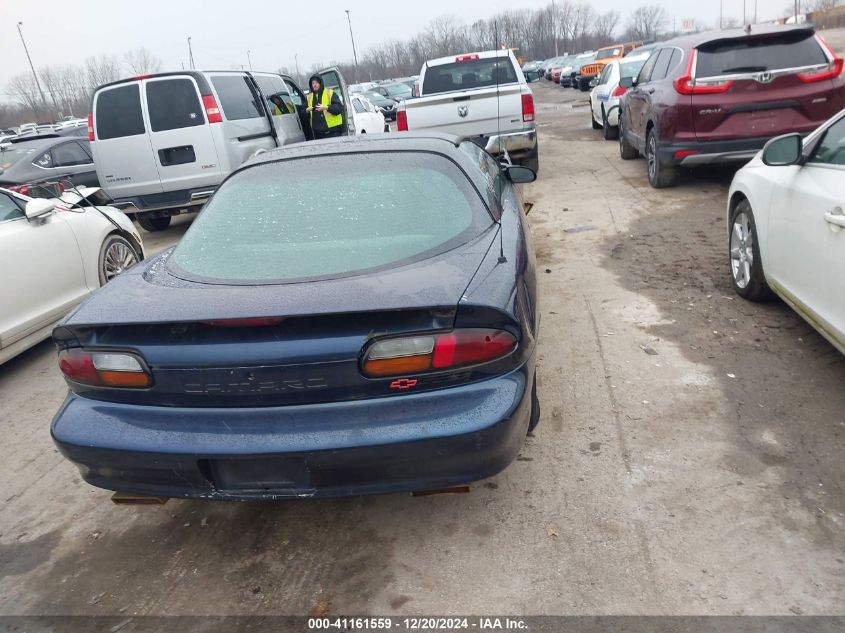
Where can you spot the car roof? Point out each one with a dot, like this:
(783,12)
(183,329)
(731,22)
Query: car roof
(699,39)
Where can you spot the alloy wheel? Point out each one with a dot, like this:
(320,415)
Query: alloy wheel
(742,250)
(118,257)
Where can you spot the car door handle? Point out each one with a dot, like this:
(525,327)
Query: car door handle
(835,217)
(650,91)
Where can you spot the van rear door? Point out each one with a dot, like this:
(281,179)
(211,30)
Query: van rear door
(123,155)
(180,134)
(246,127)
(333,79)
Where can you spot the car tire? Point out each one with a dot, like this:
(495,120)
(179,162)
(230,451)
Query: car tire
(596,124)
(117,254)
(660,176)
(746,266)
(610,132)
(153,224)
(626,150)
(535,407)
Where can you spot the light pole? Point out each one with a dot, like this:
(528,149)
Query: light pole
(721,13)
(352,37)
(190,53)
(296,61)
(249,59)
(34,74)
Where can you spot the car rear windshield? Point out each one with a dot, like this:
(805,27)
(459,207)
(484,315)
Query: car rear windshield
(118,112)
(793,49)
(473,73)
(330,216)
(11,156)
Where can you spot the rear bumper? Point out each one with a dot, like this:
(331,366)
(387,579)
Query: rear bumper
(516,143)
(166,203)
(413,442)
(735,151)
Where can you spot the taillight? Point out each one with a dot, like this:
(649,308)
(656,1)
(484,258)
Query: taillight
(466,58)
(401,121)
(683,153)
(831,71)
(618,91)
(104,369)
(437,352)
(21,189)
(90,127)
(527,108)
(211,109)
(687,84)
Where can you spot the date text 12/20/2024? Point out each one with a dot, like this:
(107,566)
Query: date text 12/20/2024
(417,624)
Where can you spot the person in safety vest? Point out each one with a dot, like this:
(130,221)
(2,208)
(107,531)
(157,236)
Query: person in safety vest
(325,110)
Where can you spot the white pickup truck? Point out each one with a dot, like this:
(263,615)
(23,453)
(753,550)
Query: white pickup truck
(478,95)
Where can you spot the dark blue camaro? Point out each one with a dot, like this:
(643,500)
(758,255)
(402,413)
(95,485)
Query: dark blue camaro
(344,317)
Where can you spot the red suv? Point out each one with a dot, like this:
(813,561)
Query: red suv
(718,97)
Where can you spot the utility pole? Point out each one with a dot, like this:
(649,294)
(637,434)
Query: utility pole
(190,54)
(755,11)
(249,59)
(296,61)
(721,14)
(32,67)
(354,54)
(743,12)
(554,26)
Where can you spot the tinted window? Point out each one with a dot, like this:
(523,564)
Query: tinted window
(236,98)
(661,66)
(274,90)
(173,104)
(784,50)
(631,68)
(9,210)
(647,68)
(359,107)
(118,112)
(288,220)
(70,154)
(297,97)
(831,149)
(476,73)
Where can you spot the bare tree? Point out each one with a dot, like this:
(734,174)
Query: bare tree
(24,88)
(823,5)
(141,61)
(646,22)
(605,25)
(101,70)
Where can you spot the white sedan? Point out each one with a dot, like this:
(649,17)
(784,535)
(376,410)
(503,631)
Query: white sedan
(53,254)
(613,82)
(368,118)
(786,226)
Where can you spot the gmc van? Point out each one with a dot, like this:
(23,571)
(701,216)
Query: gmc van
(162,143)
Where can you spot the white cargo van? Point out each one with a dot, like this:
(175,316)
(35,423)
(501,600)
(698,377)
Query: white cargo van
(162,143)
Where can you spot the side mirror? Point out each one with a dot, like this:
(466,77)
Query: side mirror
(784,150)
(627,82)
(39,207)
(518,174)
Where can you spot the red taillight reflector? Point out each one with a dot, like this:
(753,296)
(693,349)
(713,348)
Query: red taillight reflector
(250,322)
(686,85)
(683,153)
(401,121)
(21,189)
(140,77)
(466,58)
(104,369)
(421,354)
(833,70)
(618,91)
(527,108)
(212,111)
(90,127)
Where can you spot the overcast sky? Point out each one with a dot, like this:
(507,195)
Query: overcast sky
(223,30)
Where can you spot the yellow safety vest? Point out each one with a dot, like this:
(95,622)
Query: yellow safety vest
(332,120)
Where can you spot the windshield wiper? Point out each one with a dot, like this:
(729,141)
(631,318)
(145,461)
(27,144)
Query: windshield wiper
(745,69)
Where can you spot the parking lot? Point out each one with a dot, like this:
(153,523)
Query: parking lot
(688,459)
